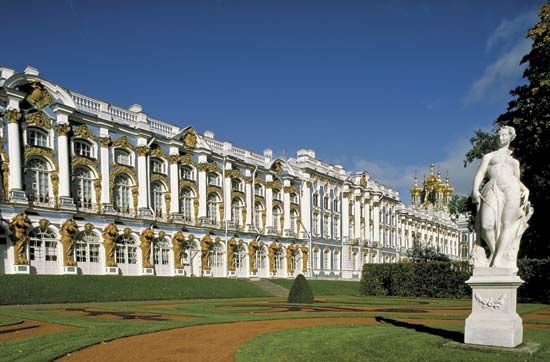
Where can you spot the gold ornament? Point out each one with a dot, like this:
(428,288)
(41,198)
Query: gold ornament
(146,238)
(13,115)
(122,141)
(97,189)
(167,199)
(142,150)
(110,234)
(206,246)
(55,187)
(18,228)
(68,231)
(39,97)
(105,141)
(177,245)
(189,138)
(196,207)
(39,119)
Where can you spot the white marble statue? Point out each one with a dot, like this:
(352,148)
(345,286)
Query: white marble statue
(502,204)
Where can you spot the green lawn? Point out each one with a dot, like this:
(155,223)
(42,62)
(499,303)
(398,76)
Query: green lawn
(344,342)
(325,287)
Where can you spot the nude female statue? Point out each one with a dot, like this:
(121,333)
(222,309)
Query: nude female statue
(503,205)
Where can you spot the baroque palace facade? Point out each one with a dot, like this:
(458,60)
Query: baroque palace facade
(92,188)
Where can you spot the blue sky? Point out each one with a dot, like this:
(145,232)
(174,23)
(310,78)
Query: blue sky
(378,85)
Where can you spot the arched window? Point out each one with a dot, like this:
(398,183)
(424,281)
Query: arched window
(294,198)
(315,224)
(87,247)
(316,258)
(42,245)
(239,257)
(261,258)
(294,221)
(236,206)
(213,179)
(82,148)
(336,205)
(37,137)
(121,192)
(315,200)
(212,208)
(157,198)
(157,166)
(122,157)
(279,260)
(186,173)
(277,213)
(336,260)
(126,250)
(276,194)
(326,226)
(336,227)
(82,187)
(38,181)
(186,204)
(161,252)
(258,210)
(237,185)
(259,190)
(217,256)
(326,259)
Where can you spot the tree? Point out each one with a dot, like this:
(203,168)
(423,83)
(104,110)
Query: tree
(463,205)
(426,253)
(300,292)
(529,114)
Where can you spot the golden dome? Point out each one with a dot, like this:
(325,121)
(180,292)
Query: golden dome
(448,190)
(416,190)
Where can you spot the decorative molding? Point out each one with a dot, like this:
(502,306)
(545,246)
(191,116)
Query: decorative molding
(39,119)
(208,166)
(277,184)
(186,183)
(118,169)
(84,161)
(39,97)
(55,187)
(63,129)
(290,189)
(234,173)
(160,177)
(490,303)
(45,152)
(189,138)
(122,141)
(83,131)
(97,189)
(157,152)
(105,141)
(135,192)
(259,181)
(13,115)
(142,150)
(213,188)
(185,159)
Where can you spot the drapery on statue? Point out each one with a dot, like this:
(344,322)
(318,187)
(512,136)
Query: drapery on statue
(177,244)
(290,252)
(146,238)
(503,206)
(206,244)
(304,249)
(271,251)
(110,234)
(68,231)
(18,228)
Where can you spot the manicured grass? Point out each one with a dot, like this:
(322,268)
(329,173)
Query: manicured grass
(380,342)
(325,287)
(35,289)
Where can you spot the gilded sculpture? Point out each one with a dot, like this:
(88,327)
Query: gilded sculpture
(63,129)
(84,132)
(18,228)
(274,247)
(110,234)
(196,209)
(503,204)
(39,119)
(39,97)
(177,248)
(290,254)
(97,189)
(68,231)
(253,247)
(206,246)
(13,115)
(304,249)
(189,138)
(146,238)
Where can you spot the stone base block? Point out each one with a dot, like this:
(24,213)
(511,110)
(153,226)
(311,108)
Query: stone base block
(232,274)
(18,197)
(206,273)
(70,270)
(111,270)
(494,321)
(21,269)
(179,272)
(148,271)
(66,202)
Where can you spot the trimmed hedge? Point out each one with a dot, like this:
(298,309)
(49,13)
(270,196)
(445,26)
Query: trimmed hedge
(324,287)
(38,289)
(300,291)
(447,280)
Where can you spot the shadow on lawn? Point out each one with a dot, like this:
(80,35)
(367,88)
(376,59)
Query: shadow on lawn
(452,335)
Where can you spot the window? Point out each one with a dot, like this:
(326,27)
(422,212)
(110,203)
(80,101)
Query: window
(38,181)
(325,203)
(161,253)
(158,193)
(279,260)
(315,200)
(276,194)
(336,227)
(82,187)
(336,260)
(326,259)
(122,194)
(236,185)
(213,179)
(294,221)
(258,209)
(277,216)
(258,190)
(82,148)
(294,198)
(42,245)
(315,224)
(126,250)
(239,257)
(336,205)
(122,157)
(326,226)
(87,247)
(212,209)
(186,203)
(216,256)
(236,206)
(36,137)
(186,173)
(157,166)
(316,259)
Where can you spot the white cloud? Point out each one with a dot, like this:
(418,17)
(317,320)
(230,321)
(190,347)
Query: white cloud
(510,29)
(400,178)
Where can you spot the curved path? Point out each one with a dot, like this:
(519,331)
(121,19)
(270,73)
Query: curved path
(215,342)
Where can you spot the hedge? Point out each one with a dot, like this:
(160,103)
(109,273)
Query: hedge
(300,291)
(436,279)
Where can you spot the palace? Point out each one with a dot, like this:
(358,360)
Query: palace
(92,188)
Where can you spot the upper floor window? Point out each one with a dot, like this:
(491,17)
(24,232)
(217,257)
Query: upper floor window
(157,166)
(258,190)
(36,137)
(325,203)
(122,157)
(294,198)
(186,173)
(82,148)
(276,194)
(336,205)
(213,179)
(236,185)
(316,200)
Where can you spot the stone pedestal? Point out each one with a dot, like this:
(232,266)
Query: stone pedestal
(494,321)
(66,202)
(206,273)
(18,197)
(148,271)
(21,269)
(70,270)
(111,270)
(179,272)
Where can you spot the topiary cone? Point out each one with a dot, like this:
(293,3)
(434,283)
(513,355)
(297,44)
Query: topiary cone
(300,292)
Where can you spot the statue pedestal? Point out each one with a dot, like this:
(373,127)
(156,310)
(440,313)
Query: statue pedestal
(21,269)
(148,271)
(206,273)
(70,270)
(494,321)
(111,270)
(179,272)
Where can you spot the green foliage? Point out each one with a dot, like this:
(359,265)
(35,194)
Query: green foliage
(483,142)
(536,274)
(463,205)
(324,287)
(34,289)
(421,252)
(422,279)
(529,114)
(300,291)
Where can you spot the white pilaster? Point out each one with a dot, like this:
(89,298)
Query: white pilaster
(269,203)
(357,214)
(202,188)
(345,216)
(62,120)
(249,207)
(286,206)
(143,187)
(227,195)
(15,179)
(105,174)
(174,183)
(305,210)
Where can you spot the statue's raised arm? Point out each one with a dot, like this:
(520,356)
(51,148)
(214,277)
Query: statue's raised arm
(503,206)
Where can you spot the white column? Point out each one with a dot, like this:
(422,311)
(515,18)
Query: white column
(305,210)
(286,206)
(15,179)
(174,182)
(143,187)
(366,210)
(227,196)
(202,187)
(376,217)
(62,115)
(357,213)
(249,207)
(105,174)
(345,216)
(269,203)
